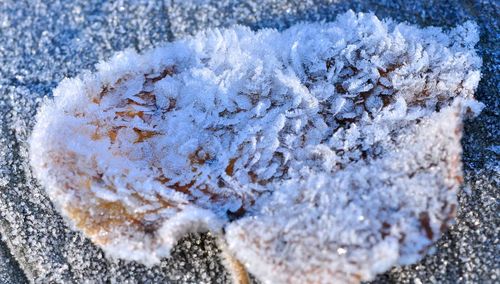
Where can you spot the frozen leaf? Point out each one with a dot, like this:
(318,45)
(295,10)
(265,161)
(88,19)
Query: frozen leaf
(282,139)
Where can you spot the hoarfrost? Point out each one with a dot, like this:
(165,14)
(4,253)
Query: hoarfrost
(326,150)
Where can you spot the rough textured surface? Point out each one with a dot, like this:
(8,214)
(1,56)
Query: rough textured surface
(10,273)
(322,141)
(60,39)
(42,43)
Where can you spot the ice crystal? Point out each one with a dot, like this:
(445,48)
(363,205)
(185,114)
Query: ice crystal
(326,151)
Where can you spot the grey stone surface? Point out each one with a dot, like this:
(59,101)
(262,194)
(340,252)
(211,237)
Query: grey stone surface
(42,42)
(10,273)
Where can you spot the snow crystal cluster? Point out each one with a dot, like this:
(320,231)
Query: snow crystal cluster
(326,151)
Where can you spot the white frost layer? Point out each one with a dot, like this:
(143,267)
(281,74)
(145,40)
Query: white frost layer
(361,220)
(335,145)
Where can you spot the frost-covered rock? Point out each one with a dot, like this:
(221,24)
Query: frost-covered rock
(326,151)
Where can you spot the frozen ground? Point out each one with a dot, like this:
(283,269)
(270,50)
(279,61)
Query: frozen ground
(42,43)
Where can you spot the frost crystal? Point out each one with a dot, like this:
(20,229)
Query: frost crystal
(326,151)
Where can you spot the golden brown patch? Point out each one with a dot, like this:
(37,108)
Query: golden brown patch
(169,71)
(142,135)
(106,216)
(230,167)
(425,223)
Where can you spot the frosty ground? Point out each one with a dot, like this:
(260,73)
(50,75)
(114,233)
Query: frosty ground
(43,43)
